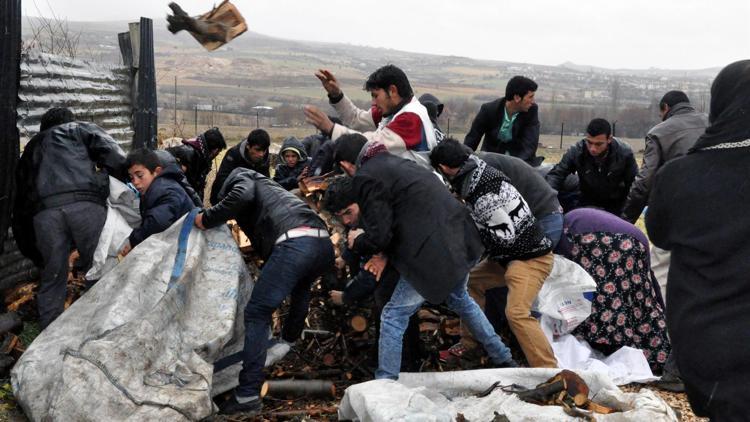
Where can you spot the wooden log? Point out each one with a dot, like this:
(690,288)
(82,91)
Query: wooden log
(12,280)
(15,268)
(298,388)
(10,258)
(9,321)
(358,323)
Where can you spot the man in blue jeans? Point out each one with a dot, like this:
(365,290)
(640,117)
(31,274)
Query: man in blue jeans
(427,234)
(295,244)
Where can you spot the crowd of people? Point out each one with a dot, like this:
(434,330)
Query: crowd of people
(430,219)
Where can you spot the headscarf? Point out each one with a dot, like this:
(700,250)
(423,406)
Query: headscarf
(730,107)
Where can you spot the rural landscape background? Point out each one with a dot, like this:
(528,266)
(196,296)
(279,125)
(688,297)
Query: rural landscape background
(198,89)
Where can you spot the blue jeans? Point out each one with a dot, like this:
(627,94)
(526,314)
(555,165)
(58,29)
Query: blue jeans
(552,224)
(405,301)
(290,270)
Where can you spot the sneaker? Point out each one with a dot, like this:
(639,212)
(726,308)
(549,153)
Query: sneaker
(232,406)
(277,352)
(510,363)
(453,353)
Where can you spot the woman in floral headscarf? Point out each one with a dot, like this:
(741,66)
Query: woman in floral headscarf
(626,309)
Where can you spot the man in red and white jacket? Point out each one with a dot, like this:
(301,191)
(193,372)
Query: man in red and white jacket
(396,118)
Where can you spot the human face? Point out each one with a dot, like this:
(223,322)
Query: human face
(349,215)
(291,158)
(385,101)
(527,101)
(663,112)
(142,177)
(348,168)
(255,153)
(449,172)
(597,145)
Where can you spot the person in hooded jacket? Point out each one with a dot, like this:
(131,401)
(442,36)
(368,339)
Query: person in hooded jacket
(699,209)
(296,247)
(292,169)
(62,186)
(197,156)
(251,153)
(163,199)
(434,109)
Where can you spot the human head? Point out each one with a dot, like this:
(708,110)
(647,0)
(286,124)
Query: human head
(290,151)
(598,136)
(433,105)
(520,93)
(56,116)
(214,142)
(388,87)
(339,200)
(347,150)
(669,100)
(257,145)
(448,157)
(143,167)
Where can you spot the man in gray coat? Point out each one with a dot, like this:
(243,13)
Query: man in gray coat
(680,127)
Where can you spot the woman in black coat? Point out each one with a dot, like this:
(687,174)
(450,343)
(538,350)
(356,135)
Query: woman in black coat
(700,210)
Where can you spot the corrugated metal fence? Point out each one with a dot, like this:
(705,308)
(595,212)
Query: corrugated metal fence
(95,92)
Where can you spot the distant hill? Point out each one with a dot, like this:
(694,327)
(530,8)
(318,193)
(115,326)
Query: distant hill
(258,69)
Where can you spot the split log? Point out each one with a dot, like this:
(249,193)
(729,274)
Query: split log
(12,280)
(10,258)
(358,323)
(9,321)
(213,29)
(298,388)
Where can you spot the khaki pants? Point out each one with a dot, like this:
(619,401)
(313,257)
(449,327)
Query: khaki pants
(524,280)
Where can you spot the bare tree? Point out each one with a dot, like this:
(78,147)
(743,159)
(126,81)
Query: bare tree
(51,35)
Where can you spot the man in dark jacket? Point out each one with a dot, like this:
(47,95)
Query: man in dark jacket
(680,127)
(515,243)
(605,166)
(509,125)
(197,156)
(295,245)
(294,162)
(251,153)
(63,194)
(339,200)
(319,149)
(428,236)
(699,209)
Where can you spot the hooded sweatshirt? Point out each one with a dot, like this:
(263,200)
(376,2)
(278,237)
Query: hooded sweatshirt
(287,176)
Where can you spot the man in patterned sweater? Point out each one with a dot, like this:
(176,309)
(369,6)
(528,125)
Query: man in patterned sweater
(514,241)
(396,119)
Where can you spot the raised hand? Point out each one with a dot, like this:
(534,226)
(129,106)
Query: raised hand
(329,82)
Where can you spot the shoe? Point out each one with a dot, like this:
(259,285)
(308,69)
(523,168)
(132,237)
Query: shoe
(454,353)
(232,406)
(277,352)
(510,363)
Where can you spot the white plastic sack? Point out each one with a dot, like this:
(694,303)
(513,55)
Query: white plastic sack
(441,396)
(140,345)
(123,216)
(561,301)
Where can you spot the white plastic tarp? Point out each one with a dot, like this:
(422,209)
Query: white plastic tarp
(441,396)
(140,345)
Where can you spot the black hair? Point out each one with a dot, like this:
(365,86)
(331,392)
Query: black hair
(145,157)
(598,127)
(390,75)
(56,116)
(671,98)
(348,147)
(450,153)
(519,85)
(339,194)
(260,138)
(214,139)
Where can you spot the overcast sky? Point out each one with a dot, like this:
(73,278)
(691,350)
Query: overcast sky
(674,34)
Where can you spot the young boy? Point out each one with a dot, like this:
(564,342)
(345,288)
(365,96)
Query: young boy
(295,159)
(163,199)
